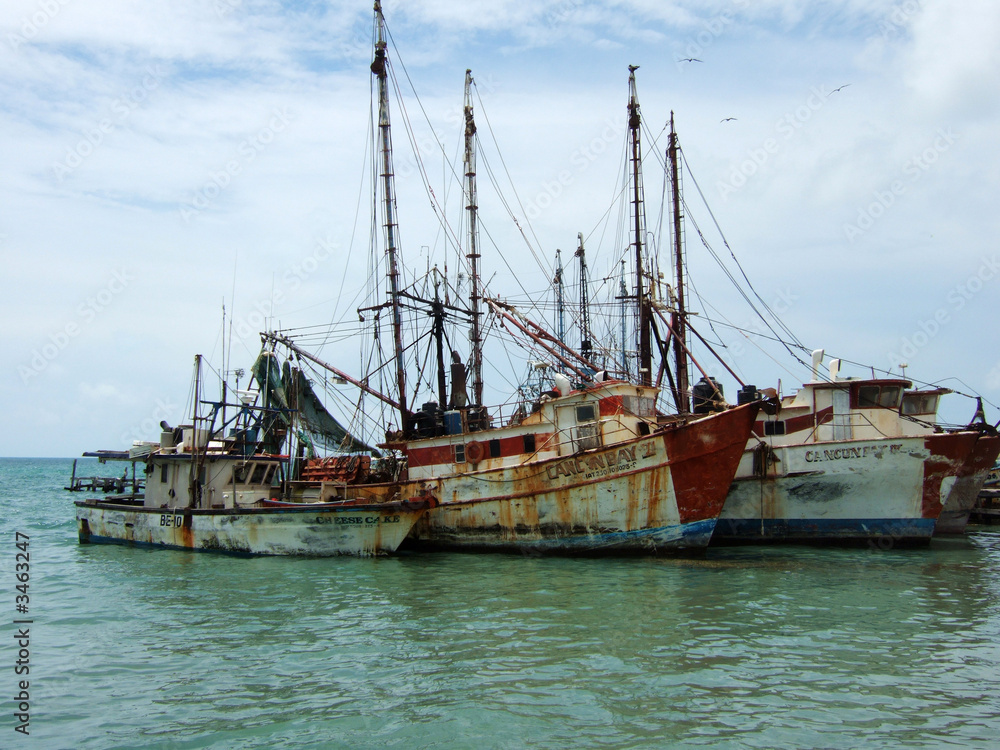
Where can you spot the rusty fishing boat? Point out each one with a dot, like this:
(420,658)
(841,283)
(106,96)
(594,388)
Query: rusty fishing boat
(581,459)
(220,484)
(846,460)
(842,460)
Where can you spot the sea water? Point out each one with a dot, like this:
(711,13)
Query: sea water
(749,647)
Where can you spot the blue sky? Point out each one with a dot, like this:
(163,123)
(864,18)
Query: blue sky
(162,158)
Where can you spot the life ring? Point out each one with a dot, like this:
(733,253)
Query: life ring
(474,452)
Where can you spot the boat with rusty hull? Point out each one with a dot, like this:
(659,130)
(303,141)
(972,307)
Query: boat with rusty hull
(296,529)
(582,475)
(849,461)
(590,470)
(209,493)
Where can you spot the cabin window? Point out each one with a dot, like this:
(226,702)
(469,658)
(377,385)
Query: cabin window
(890,397)
(163,474)
(643,428)
(920,403)
(258,474)
(868,396)
(774,428)
(639,406)
(460,453)
(588,436)
(529,443)
(588,430)
(871,396)
(494,448)
(240,473)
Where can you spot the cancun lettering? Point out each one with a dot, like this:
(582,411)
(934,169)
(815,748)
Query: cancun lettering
(856,452)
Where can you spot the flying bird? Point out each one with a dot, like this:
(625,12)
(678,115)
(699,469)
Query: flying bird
(728,119)
(838,89)
(689,59)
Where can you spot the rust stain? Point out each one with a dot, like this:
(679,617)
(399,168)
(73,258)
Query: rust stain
(186,532)
(507,520)
(658,492)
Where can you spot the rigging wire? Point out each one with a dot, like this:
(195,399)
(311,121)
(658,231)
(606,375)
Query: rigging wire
(438,211)
(489,127)
(794,339)
(369,143)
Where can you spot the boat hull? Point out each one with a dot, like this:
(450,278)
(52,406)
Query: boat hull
(322,532)
(965,491)
(887,492)
(658,494)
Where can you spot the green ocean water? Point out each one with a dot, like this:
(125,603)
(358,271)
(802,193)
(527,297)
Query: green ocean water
(750,647)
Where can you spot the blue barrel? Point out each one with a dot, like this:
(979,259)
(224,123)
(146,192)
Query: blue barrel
(453,423)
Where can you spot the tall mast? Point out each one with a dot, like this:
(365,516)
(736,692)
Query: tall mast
(475,334)
(623,296)
(680,328)
(585,344)
(642,302)
(560,299)
(389,198)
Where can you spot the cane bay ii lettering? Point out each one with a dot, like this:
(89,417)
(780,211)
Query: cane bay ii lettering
(603,464)
(851,453)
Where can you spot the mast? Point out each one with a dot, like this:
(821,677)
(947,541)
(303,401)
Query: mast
(642,301)
(585,344)
(437,309)
(680,328)
(194,488)
(560,300)
(623,296)
(378,67)
(475,333)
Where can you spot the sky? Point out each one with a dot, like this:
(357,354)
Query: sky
(166,161)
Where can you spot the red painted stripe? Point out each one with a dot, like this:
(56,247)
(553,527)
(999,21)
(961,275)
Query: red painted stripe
(798,424)
(611,405)
(438,454)
(445,454)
